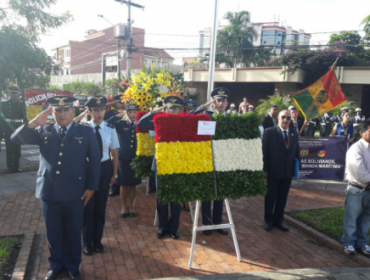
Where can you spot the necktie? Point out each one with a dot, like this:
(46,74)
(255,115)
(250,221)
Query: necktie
(100,140)
(62,132)
(286,139)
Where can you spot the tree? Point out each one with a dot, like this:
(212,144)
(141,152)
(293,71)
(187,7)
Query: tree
(22,62)
(366,22)
(317,62)
(347,40)
(282,101)
(236,40)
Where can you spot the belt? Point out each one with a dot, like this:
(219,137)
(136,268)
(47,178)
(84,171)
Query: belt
(352,184)
(16,121)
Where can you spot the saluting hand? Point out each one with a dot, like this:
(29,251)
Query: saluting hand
(40,119)
(87,195)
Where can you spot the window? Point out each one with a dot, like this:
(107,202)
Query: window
(111,69)
(66,53)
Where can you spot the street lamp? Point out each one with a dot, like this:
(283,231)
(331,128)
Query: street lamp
(106,19)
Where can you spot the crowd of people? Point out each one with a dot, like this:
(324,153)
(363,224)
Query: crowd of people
(81,162)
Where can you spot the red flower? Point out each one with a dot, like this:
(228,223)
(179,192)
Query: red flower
(139,115)
(182,127)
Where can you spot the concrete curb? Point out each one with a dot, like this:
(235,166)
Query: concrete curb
(329,242)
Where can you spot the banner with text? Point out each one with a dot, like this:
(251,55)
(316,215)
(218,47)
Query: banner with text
(322,158)
(36,101)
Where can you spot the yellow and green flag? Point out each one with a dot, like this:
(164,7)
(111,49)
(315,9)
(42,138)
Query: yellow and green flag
(320,97)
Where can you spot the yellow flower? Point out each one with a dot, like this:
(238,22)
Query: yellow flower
(167,83)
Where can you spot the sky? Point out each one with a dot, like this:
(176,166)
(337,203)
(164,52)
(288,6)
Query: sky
(181,20)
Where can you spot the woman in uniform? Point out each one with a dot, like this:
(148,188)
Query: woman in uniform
(126,130)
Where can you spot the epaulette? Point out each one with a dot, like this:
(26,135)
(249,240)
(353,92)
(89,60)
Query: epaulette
(110,125)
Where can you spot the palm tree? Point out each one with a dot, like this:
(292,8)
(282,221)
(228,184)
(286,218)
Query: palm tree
(366,21)
(236,40)
(283,102)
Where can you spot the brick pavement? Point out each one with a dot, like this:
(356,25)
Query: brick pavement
(132,250)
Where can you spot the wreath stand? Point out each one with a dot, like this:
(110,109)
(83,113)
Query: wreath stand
(197,228)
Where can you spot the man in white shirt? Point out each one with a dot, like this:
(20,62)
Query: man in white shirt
(356,222)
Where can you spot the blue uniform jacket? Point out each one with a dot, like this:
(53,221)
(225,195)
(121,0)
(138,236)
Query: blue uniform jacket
(64,173)
(127,138)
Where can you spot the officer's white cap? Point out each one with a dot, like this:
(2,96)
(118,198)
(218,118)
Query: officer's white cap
(358,110)
(232,105)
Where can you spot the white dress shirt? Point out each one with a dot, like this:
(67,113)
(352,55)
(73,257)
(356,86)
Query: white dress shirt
(282,131)
(109,137)
(358,163)
(274,120)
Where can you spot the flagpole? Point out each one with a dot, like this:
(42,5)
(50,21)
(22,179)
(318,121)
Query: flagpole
(211,72)
(335,63)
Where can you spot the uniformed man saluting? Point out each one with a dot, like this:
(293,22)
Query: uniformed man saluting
(65,180)
(13,116)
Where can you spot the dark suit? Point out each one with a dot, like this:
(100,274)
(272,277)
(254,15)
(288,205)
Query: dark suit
(268,122)
(165,224)
(300,122)
(279,163)
(62,178)
(13,117)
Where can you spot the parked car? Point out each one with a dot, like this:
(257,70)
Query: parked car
(82,99)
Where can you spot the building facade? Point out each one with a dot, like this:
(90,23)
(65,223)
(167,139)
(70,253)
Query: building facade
(270,34)
(98,56)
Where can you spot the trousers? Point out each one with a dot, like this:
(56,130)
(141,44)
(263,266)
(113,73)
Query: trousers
(275,199)
(63,223)
(94,214)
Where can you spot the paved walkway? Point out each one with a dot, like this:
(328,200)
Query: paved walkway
(292,274)
(29,157)
(132,250)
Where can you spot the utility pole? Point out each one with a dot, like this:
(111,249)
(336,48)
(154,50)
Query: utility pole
(129,47)
(119,59)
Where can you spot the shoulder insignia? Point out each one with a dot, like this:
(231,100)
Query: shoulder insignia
(110,125)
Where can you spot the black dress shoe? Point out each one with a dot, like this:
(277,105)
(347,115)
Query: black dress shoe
(98,248)
(75,275)
(174,235)
(124,215)
(222,231)
(88,250)
(152,191)
(161,234)
(113,193)
(207,232)
(281,227)
(51,275)
(18,170)
(268,226)
(133,215)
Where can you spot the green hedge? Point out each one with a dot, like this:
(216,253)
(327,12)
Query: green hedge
(142,165)
(185,187)
(237,126)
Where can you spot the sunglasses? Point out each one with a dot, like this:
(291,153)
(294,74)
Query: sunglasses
(288,118)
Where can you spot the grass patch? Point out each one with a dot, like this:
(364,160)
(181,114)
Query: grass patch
(8,246)
(328,221)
